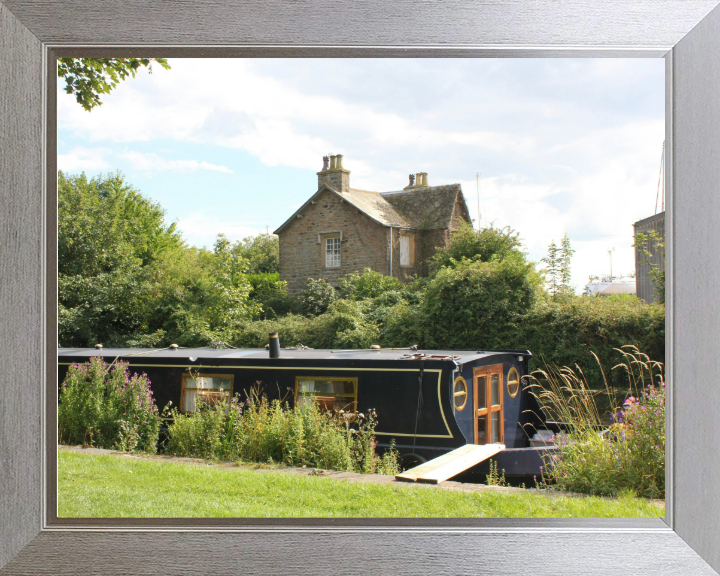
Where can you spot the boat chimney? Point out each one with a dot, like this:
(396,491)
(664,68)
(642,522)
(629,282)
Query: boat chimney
(274,345)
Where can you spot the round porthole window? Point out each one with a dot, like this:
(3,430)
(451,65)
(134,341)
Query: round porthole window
(513,382)
(460,393)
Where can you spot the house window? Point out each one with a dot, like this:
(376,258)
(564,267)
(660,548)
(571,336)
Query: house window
(407,250)
(330,393)
(205,388)
(332,252)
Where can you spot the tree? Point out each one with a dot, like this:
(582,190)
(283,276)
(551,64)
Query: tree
(566,253)
(557,269)
(109,235)
(552,269)
(88,78)
(262,253)
(483,245)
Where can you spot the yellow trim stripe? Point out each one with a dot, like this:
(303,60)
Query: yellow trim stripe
(442,411)
(336,369)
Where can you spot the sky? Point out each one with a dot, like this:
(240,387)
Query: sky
(562,146)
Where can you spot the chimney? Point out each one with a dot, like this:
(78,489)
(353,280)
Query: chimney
(334,175)
(421,179)
(274,347)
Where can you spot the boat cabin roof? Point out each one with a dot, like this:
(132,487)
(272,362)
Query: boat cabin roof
(383,354)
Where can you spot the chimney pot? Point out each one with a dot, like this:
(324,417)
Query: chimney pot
(274,345)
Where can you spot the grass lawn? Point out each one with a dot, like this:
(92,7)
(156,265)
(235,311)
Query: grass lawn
(106,486)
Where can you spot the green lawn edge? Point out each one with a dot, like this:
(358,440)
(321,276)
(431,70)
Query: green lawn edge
(108,486)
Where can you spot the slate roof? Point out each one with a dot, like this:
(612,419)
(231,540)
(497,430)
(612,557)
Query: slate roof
(428,207)
(424,208)
(376,206)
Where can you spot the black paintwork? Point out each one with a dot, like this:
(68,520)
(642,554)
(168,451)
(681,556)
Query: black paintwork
(412,395)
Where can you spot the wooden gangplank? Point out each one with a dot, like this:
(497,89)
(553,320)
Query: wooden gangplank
(451,464)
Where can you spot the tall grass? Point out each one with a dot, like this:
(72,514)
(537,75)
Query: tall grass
(604,453)
(259,430)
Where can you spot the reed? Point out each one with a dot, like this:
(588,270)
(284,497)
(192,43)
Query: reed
(604,452)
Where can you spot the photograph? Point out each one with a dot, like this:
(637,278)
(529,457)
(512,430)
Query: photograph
(361,287)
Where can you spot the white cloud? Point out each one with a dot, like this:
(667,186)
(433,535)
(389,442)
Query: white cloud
(151,161)
(79,159)
(201,229)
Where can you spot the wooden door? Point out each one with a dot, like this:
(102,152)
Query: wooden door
(488,404)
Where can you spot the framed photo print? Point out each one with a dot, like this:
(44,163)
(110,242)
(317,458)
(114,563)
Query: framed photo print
(334,51)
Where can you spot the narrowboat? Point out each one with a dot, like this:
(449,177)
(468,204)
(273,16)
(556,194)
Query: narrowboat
(428,402)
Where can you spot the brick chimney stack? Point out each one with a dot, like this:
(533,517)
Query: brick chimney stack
(334,175)
(417,181)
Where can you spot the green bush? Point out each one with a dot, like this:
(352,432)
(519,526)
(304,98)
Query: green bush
(104,406)
(607,454)
(272,295)
(344,325)
(470,244)
(479,304)
(566,331)
(368,284)
(259,430)
(317,297)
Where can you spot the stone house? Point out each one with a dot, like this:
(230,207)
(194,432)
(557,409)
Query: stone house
(340,229)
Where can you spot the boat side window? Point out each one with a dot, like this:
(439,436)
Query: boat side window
(513,382)
(204,388)
(460,393)
(330,393)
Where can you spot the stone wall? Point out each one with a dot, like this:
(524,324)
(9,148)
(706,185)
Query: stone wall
(365,243)
(431,240)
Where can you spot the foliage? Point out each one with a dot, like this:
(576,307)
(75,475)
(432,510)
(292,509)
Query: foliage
(478,304)
(88,78)
(105,223)
(552,268)
(258,430)
(317,297)
(557,268)
(495,478)
(109,235)
(271,294)
(484,245)
(568,331)
(345,325)
(106,407)
(229,270)
(566,253)
(368,284)
(649,245)
(125,278)
(262,253)
(606,453)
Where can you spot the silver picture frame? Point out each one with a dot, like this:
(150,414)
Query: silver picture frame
(34,33)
